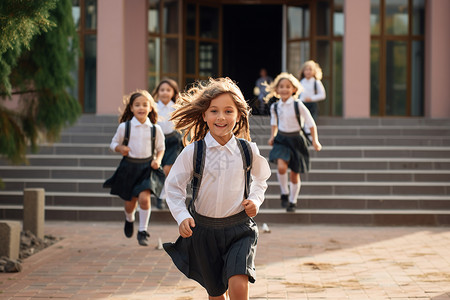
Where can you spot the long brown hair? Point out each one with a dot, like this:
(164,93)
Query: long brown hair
(192,104)
(128,101)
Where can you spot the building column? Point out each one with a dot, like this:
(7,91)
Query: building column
(437,59)
(110,56)
(356,59)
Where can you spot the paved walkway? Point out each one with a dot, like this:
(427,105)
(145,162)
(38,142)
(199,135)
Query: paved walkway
(95,261)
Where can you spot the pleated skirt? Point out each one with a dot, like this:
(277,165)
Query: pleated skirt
(292,148)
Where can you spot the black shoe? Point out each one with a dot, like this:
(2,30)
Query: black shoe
(291,207)
(142,237)
(159,203)
(128,229)
(284,201)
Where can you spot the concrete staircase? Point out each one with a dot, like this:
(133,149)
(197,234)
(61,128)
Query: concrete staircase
(377,171)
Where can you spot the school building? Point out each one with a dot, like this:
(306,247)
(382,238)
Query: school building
(379,57)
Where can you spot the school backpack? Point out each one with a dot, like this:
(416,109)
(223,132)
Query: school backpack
(199,164)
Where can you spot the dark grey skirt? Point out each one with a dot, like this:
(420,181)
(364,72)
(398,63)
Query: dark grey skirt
(174,145)
(291,147)
(217,250)
(133,176)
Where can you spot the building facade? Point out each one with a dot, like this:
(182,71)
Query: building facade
(379,57)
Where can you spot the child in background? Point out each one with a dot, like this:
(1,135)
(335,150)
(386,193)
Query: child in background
(166,94)
(218,236)
(132,179)
(290,148)
(313,89)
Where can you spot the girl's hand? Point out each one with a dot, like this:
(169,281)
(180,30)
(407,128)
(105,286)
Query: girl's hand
(317,146)
(185,227)
(155,164)
(270,142)
(250,208)
(123,150)
(308,99)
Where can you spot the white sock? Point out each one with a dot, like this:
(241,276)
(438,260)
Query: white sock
(295,190)
(144,218)
(283,180)
(129,217)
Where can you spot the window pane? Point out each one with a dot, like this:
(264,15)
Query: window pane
(170,55)
(298,22)
(323,56)
(190,20)
(208,59)
(396,76)
(91,14)
(76,13)
(170,16)
(190,57)
(375,78)
(153,61)
(417,80)
(375,16)
(323,18)
(90,73)
(297,53)
(153,16)
(209,22)
(338,18)
(397,17)
(418,17)
(337,79)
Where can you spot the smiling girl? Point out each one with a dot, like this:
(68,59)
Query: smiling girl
(218,236)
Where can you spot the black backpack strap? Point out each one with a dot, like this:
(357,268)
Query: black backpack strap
(199,165)
(315,87)
(297,113)
(247,158)
(153,140)
(275,109)
(126,139)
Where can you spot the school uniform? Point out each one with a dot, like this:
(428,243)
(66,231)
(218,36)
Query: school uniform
(224,239)
(289,145)
(173,140)
(314,89)
(132,176)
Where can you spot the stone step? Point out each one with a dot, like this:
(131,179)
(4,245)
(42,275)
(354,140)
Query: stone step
(372,217)
(308,187)
(62,172)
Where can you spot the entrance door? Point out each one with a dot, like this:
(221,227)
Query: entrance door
(252,36)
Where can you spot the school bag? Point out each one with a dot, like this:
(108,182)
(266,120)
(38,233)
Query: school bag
(199,164)
(157,177)
(297,114)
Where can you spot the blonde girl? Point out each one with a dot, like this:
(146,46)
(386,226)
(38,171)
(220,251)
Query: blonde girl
(166,94)
(313,89)
(218,236)
(132,179)
(290,149)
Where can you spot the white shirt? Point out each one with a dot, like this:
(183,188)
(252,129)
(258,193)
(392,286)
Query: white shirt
(164,112)
(308,90)
(222,188)
(288,120)
(140,142)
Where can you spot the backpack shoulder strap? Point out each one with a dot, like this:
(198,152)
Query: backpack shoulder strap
(315,87)
(153,128)
(247,158)
(126,139)
(199,165)
(275,109)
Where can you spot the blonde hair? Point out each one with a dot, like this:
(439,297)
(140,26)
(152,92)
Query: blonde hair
(192,104)
(128,102)
(315,67)
(272,88)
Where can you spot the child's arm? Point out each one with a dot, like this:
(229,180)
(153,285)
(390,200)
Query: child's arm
(309,123)
(273,133)
(117,140)
(315,138)
(160,148)
(157,161)
(274,123)
(260,172)
(321,95)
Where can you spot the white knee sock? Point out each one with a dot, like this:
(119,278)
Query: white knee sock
(144,218)
(283,180)
(130,217)
(295,190)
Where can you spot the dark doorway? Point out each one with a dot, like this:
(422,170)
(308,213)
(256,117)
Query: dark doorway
(251,40)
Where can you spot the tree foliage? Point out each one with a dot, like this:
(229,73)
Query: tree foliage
(38,49)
